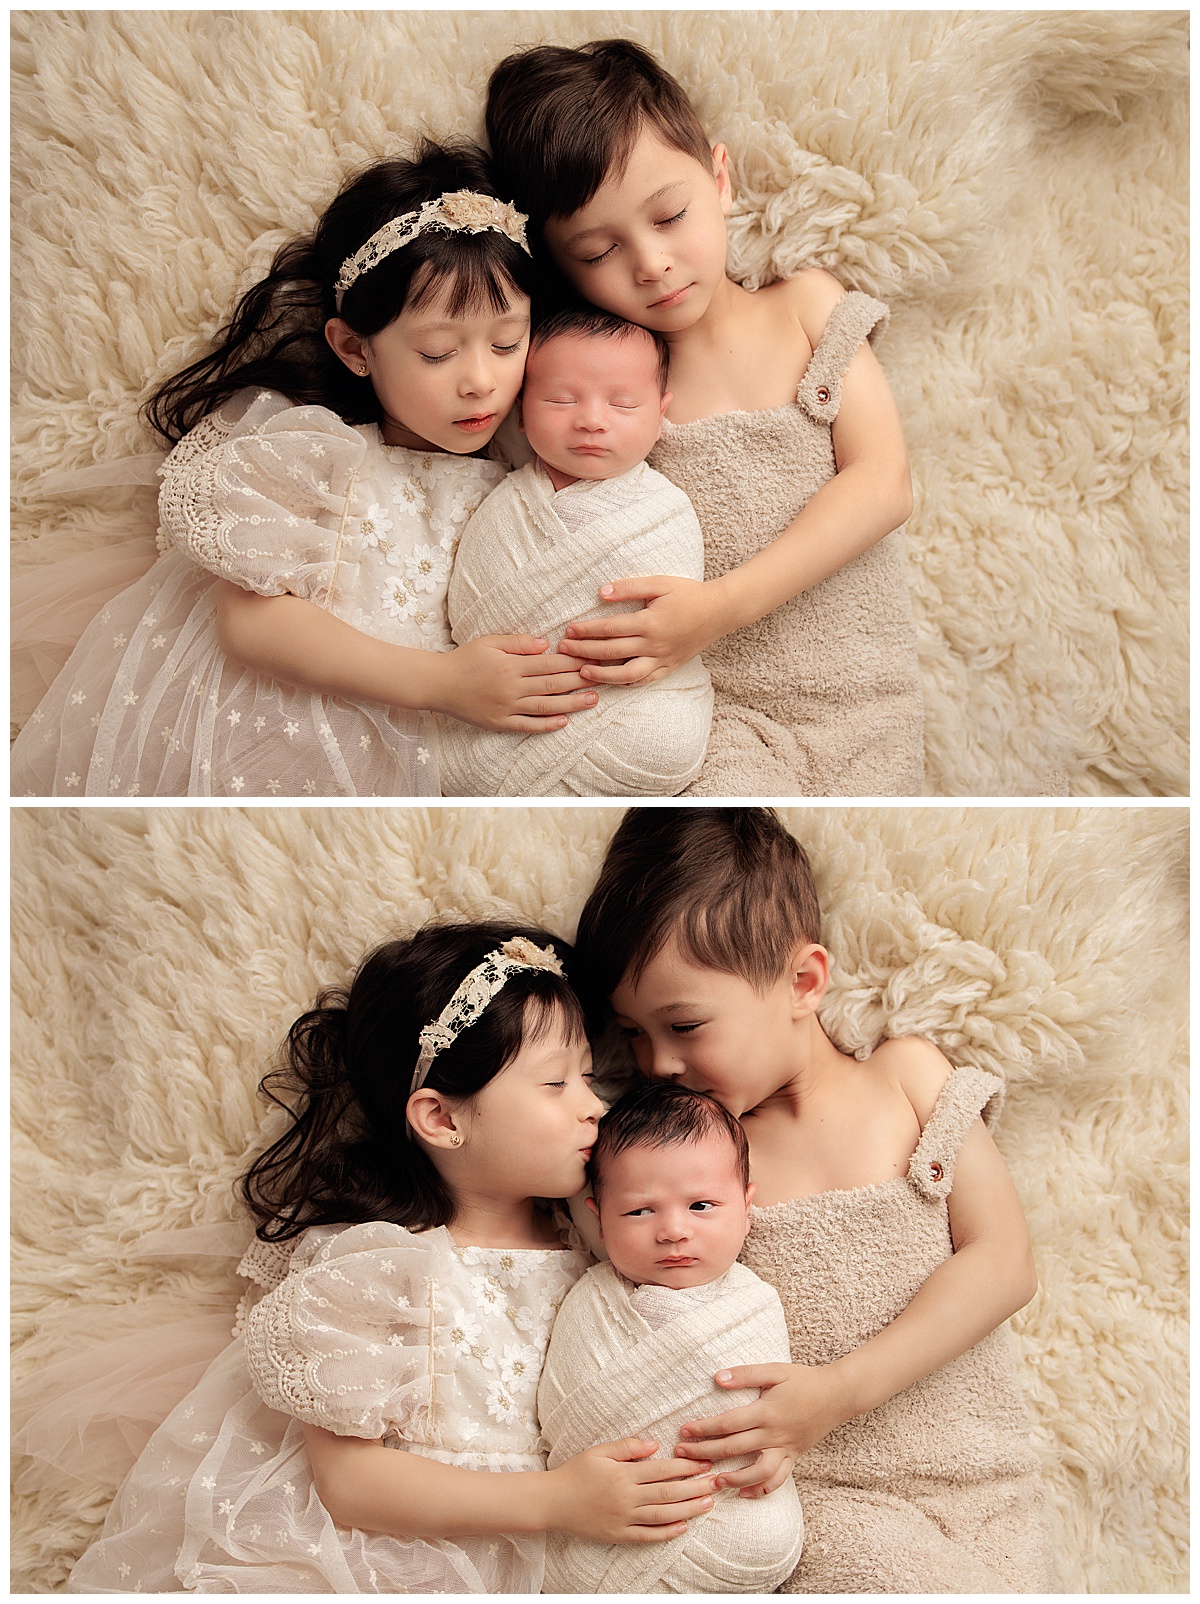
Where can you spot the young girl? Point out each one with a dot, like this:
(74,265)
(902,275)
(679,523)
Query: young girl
(781,430)
(410,1273)
(884,1216)
(329,455)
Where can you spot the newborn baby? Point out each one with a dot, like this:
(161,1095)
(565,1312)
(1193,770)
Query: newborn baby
(638,1340)
(585,511)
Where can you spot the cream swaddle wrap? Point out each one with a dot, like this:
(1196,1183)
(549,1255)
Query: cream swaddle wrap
(611,1371)
(532,560)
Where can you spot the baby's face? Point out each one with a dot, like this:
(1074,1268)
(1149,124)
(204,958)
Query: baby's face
(675,1216)
(591,406)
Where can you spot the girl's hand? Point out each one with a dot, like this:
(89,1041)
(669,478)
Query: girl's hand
(799,1405)
(511,683)
(769,1471)
(617,1494)
(681,618)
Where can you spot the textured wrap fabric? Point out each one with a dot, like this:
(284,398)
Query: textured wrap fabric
(937,1490)
(372,1332)
(532,560)
(278,499)
(822,697)
(610,1373)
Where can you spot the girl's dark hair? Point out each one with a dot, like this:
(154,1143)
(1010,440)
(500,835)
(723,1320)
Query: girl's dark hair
(276,336)
(560,121)
(664,1114)
(348,1065)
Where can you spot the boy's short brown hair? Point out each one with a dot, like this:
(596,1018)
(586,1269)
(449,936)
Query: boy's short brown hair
(664,1114)
(560,121)
(732,885)
(583,318)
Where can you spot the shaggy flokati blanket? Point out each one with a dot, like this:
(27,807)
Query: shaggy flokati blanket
(159,956)
(1014,184)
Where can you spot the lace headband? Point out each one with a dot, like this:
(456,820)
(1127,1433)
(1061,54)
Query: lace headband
(474,994)
(460,211)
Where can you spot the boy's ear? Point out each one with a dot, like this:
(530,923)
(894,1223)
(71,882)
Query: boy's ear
(808,973)
(721,174)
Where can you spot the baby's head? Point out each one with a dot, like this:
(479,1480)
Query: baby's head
(670,1176)
(594,395)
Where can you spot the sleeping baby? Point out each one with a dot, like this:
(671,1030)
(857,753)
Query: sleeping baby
(585,511)
(638,1340)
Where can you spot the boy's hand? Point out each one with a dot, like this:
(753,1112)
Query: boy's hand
(798,1405)
(770,1470)
(681,617)
(617,1494)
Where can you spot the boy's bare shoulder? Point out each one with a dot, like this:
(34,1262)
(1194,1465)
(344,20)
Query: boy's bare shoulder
(917,1067)
(809,297)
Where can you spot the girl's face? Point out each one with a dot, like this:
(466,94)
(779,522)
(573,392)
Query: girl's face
(444,383)
(712,1031)
(529,1132)
(650,244)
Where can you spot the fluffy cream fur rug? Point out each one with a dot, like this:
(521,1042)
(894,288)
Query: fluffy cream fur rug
(1014,183)
(159,955)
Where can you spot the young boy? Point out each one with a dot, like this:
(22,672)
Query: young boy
(636,1341)
(534,554)
(781,429)
(884,1217)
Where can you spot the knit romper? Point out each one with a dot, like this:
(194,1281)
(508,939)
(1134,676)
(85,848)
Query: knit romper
(937,1490)
(822,697)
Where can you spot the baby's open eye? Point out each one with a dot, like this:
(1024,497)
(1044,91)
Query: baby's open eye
(701,1205)
(635,1214)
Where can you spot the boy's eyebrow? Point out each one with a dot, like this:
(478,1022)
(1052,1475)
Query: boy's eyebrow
(598,228)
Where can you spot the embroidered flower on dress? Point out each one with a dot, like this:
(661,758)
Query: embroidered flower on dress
(427,568)
(398,599)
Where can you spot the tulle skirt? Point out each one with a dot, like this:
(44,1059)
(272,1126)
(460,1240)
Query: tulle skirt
(148,705)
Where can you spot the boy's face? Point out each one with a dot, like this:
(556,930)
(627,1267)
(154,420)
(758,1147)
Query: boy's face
(674,1216)
(591,407)
(712,1031)
(650,244)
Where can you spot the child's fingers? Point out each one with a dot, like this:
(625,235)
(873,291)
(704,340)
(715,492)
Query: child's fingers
(655,1534)
(630,1448)
(740,1419)
(753,1376)
(605,628)
(635,672)
(520,645)
(680,1474)
(518,724)
(668,1514)
(552,706)
(602,648)
(740,1442)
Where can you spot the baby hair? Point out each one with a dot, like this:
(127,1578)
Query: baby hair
(593,323)
(347,1074)
(560,121)
(276,336)
(732,885)
(664,1114)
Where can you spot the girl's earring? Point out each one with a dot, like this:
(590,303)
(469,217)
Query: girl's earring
(362,370)
(456,1140)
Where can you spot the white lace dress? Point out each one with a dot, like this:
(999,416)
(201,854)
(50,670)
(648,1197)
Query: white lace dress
(370,1331)
(279,499)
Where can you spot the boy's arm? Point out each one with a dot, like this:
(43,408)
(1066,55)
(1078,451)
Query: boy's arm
(989,1276)
(868,496)
(613,1493)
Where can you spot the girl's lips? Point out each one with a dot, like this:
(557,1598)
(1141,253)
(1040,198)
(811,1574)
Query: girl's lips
(481,422)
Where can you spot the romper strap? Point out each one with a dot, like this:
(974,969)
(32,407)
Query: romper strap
(853,318)
(968,1092)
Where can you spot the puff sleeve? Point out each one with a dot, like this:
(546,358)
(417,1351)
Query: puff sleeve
(259,493)
(343,1342)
